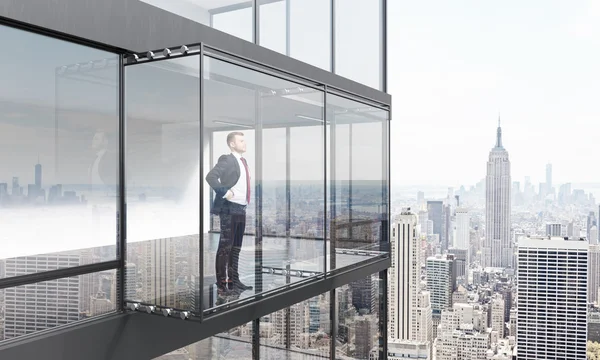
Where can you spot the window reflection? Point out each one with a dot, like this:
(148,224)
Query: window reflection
(284,28)
(358,172)
(358,41)
(358,319)
(232,16)
(59,132)
(35,307)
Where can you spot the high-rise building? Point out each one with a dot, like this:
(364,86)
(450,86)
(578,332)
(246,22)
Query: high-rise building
(445,237)
(463,333)
(38,176)
(463,229)
(497,307)
(552,298)
(441,282)
(423,218)
(497,249)
(593,273)
(404,277)
(422,330)
(435,211)
(165,249)
(61,296)
(554,229)
(591,221)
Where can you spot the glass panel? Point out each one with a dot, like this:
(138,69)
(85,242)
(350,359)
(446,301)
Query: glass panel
(35,307)
(59,133)
(309,335)
(358,41)
(231,16)
(163,146)
(358,170)
(283,164)
(358,319)
(283,28)
(233,344)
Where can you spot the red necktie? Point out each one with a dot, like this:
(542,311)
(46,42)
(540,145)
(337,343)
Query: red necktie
(247,180)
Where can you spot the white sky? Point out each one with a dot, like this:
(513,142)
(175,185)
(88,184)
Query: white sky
(453,65)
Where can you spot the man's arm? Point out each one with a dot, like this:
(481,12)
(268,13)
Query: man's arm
(213,177)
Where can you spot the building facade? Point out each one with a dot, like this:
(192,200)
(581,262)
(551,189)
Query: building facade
(124,123)
(497,248)
(552,298)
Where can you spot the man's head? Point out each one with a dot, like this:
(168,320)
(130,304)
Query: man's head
(236,142)
(99,141)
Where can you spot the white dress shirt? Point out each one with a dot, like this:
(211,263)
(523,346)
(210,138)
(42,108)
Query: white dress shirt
(240,188)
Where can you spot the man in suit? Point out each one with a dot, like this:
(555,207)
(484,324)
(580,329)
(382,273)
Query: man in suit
(230,179)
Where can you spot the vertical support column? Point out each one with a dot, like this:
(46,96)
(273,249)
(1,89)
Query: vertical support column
(383,315)
(288,225)
(383,46)
(333,190)
(334,323)
(201,254)
(56,79)
(122,211)
(332,34)
(256,21)
(325,183)
(350,181)
(258,255)
(287,27)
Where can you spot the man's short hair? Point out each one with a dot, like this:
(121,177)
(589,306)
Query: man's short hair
(231,136)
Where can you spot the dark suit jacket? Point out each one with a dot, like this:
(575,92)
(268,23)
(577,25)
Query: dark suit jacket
(222,178)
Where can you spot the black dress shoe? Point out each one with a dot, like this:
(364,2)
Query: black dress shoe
(241,286)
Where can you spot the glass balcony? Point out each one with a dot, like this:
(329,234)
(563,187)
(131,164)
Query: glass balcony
(188,183)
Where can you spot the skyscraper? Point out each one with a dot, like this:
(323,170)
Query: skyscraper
(462,229)
(435,209)
(552,298)
(61,296)
(593,272)
(497,249)
(404,275)
(441,282)
(38,175)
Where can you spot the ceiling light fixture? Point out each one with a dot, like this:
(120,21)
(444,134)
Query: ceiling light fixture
(232,123)
(310,118)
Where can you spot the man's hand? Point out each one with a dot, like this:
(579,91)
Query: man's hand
(228,195)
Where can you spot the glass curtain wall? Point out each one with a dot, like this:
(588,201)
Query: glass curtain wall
(59,134)
(343,36)
(228,192)
(235,17)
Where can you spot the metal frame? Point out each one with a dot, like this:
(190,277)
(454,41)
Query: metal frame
(122,214)
(141,336)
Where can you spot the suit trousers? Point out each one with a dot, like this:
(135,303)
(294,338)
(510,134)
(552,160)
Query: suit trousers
(233,226)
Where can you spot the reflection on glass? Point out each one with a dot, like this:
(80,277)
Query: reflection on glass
(358,319)
(35,307)
(283,28)
(233,344)
(302,331)
(231,16)
(358,41)
(59,133)
(163,199)
(285,181)
(358,180)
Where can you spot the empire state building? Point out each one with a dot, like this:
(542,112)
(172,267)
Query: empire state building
(497,247)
